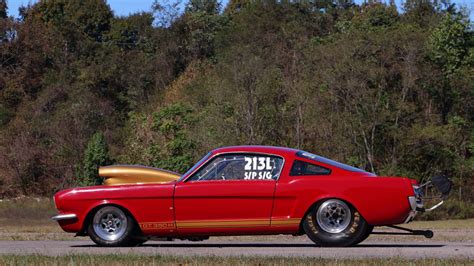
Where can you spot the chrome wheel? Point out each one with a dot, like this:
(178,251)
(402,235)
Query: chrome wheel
(334,216)
(110,223)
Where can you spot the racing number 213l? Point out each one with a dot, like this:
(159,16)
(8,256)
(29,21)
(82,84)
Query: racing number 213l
(257,163)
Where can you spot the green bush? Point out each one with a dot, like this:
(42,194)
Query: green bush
(451,209)
(95,155)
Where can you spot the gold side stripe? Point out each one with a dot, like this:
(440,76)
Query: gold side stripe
(244,223)
(234,223)
(222,226)
(292,221)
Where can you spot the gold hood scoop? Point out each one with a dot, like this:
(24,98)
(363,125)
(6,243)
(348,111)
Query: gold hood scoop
(135,174)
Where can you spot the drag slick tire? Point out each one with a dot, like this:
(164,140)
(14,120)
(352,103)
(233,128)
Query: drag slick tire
(110,226)
(367,233)
(335,223)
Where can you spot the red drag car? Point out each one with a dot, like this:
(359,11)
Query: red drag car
(244,190)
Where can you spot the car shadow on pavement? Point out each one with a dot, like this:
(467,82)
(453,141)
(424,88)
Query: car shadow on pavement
(392,245)
(269,245)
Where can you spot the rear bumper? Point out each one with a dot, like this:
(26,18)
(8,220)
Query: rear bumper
(415,205)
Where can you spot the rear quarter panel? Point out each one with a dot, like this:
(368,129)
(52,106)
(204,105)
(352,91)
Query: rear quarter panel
(380,200)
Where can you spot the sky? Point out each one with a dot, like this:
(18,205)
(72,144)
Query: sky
(126,7)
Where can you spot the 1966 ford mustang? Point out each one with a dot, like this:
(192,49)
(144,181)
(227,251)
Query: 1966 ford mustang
(243,190)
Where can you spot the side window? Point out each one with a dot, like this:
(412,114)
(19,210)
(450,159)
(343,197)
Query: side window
(303,168)
(240,167)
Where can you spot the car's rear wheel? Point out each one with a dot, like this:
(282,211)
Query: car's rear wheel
(333,222)
(112,227)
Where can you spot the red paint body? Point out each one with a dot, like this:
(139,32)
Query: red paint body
(238,207)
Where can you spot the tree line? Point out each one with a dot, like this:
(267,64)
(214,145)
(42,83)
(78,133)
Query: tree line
(388,89)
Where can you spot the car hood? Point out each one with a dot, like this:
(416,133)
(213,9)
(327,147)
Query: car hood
(108,192)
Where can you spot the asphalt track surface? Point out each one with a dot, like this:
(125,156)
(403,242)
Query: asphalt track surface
(370,249)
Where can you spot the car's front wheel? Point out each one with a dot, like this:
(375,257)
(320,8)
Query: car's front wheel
(112,227)
(333,222)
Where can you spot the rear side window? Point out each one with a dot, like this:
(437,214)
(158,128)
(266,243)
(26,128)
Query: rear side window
(321,159)
(300,168)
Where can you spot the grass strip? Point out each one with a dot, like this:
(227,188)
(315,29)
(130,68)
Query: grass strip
(133,259)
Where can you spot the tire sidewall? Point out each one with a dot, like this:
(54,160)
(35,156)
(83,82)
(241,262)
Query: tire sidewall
(364,236)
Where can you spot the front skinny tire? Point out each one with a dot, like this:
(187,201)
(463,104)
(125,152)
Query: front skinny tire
(112,227)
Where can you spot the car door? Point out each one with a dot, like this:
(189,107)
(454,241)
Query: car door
(229,193)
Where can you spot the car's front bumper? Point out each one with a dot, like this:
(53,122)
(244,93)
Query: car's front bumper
(61,217)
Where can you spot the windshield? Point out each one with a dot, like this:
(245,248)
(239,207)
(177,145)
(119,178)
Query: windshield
(321,159)
(196,165)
